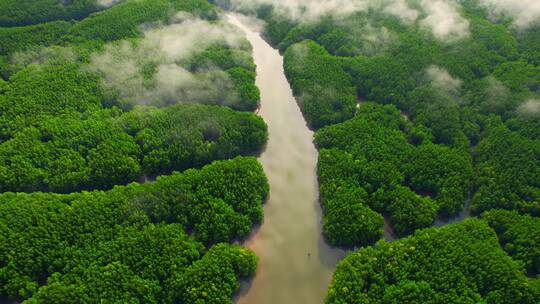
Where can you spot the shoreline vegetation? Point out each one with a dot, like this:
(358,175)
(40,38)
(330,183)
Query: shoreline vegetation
(419,109)
(96,94)
(467,139)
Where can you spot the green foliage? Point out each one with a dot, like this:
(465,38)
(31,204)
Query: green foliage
(367,166)
(325,92)
(519,76)
(408,211)
(27,12)
(351,168)
(507,171)
(277,26)
(68,154)
(222,266)
(519,236)
(529,44)
(459,263)
(61,132)
(118,22)
(444,173)
(202,8)
(317,31)
(223,57)
(526,124)
(191,135)
(440,113)
(129,242)
(445,148)
(39,92)
(244,82)
(383,78)
(114,283)
(22,38)
(347,219)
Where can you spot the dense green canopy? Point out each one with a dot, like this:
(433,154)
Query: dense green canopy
(66,154)
(130,242)
(458,133)
(367,166)
(64,129)
(463,125)
(459,263)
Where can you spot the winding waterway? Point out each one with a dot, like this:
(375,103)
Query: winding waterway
(295,263)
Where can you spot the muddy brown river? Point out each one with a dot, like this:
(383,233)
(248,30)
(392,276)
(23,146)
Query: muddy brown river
(295,263)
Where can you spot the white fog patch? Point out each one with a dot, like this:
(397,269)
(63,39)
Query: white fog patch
(108,3)
(40,57)
(496,90)
(524,12)
(530,107)
(373,39)
(441,17)
(402,10)
(444,20)
(161,53)
(305,10)
(442,80)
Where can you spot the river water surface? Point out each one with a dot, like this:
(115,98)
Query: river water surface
(295,263)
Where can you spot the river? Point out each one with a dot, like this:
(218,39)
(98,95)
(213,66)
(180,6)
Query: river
(295,263)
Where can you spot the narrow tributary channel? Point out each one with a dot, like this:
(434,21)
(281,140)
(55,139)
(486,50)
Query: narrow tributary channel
(295,264)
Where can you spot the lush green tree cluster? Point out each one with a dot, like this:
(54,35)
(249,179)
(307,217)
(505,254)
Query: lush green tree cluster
(485,64)
(519,236)
(508,171)
(529,44)
(368,168)
(14,39)
(463,126)
(442,172)
(28,12)
(459,263)
(450,91)
(59,86)
(68,154)
(129,244)
(38,92)
(80,136)
(239,66)
(118,22)
(190,135)
(326,95)
(222,266)
(62,130)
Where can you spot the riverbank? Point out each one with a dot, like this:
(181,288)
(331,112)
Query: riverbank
(296,264)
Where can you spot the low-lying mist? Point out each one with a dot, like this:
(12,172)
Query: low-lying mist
(443,81)
(108,3)
(444,18)
(155,69)
(530,108)
(523,12)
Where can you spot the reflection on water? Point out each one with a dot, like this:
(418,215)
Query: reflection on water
(295,263)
